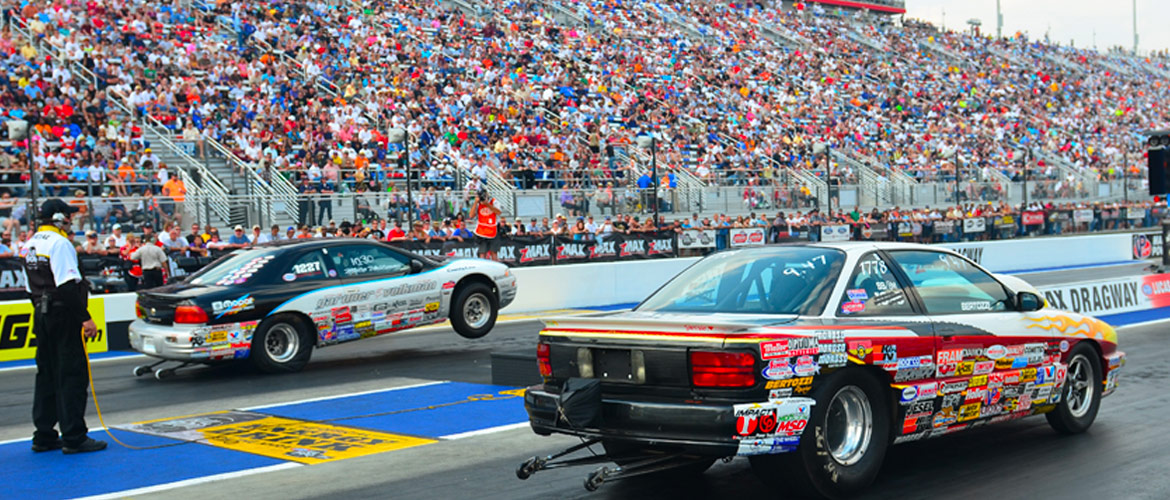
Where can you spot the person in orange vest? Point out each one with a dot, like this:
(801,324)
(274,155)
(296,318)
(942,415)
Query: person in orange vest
(486,214)
(173,192)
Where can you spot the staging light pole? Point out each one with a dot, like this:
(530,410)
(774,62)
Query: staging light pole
(826,149)
(399,136)
(1027,163)
(22,129)
(1125,175)
(644,141)
(1135,33)
(998,21)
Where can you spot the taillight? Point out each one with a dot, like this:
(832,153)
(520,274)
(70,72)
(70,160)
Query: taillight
(190,314)
(722,369)
(542,360)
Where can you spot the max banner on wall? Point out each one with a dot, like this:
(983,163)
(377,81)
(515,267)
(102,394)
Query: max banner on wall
(1111,297)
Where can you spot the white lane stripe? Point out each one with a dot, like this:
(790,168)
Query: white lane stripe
(1144,323)
(489,430)
(192,482)
(92,361)
(349,395)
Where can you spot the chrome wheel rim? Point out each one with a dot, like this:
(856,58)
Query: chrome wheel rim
(848,425)
(1081,389)
(282,342)
(476,311)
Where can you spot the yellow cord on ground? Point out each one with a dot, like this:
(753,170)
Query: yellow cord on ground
(98,407)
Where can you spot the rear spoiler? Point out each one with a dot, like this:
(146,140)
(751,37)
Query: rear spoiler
(665,323)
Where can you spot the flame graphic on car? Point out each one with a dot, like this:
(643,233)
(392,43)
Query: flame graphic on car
(1089,327)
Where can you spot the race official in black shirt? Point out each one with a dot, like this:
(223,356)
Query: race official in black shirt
(61,325)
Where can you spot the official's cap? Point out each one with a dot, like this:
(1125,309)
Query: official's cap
(54,206)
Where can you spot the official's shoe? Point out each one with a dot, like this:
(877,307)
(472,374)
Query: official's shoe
(90,444)
(50,446)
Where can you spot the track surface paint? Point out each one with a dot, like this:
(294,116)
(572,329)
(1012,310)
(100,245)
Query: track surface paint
(52,474)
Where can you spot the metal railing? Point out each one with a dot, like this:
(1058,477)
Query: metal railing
(208,188)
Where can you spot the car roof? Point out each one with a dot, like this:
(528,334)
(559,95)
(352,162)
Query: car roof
(876,245)
(851,246)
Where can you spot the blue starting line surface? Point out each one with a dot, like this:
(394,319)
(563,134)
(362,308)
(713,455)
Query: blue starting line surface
(201,447)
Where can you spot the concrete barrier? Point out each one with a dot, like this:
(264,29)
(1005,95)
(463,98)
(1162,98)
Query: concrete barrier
(593,284)
(1032,254)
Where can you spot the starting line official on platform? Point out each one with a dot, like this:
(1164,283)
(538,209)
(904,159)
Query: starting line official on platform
(61,323)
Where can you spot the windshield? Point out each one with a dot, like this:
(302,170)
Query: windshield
(776,280)
(235,268)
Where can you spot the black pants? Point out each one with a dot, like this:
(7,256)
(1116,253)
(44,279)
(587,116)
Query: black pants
(152,278)
(61,383)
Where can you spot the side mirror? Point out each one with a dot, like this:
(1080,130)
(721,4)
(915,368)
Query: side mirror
(1028,301)
(416,266)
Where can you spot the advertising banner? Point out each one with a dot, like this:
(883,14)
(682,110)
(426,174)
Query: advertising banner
(748,236)
(943,227)
(838,232)
(1147,245)
(696,238)
(876,231)
(1135,293)
(1035,218)
(519,251)
(1083,216)
(450,248)
(974,225)
(17,340)
(12,280)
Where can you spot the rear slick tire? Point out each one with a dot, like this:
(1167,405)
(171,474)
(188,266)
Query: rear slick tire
(282,344)
(844,444)
(1081,395)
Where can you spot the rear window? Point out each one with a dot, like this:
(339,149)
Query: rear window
(235,268)
(779,280)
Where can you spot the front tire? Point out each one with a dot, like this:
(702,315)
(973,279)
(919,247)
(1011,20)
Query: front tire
(282,344)
(844,444)
(474,310)
(1081,395)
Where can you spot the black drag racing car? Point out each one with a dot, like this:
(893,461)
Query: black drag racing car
(275,303)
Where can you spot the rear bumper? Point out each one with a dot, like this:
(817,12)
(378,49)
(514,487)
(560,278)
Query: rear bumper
(188,343)
(690,428)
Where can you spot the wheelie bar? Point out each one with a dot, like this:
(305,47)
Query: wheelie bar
(162,373)
(638,466)
(535,464)
(645,465)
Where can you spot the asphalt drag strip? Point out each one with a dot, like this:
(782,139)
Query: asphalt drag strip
(417,416)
